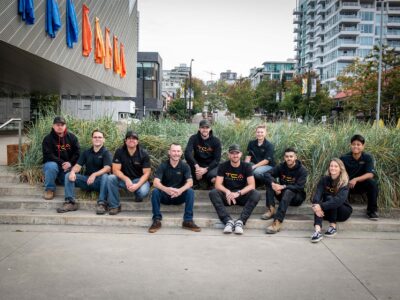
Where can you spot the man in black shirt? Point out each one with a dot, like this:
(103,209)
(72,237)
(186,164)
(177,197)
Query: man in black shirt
(234,184)
(97,161)
(360,167)
(60,152)
(173,182)
(260,153)
(289,191)
(131,170)
(203,153)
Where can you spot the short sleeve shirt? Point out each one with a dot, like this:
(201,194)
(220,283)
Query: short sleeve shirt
(235,178)
(259,153)
(356,168)
(173,177)
(132,165)
(95,161)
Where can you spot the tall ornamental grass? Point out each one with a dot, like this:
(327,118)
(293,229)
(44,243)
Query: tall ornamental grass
(316,145)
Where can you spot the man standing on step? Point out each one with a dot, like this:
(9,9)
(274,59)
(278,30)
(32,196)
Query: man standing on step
(172,186)
(203,153)
(360,167)
(131,171)
(260,153)
(289,191)
(60,152)
(97,161)
(234,185)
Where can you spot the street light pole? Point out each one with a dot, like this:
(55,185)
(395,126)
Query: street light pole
(190,85)
(378,104)
(143,102)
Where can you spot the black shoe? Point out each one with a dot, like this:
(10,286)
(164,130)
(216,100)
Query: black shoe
(101,209)
(373,216)
(138,199)
(68,206)
(114,210)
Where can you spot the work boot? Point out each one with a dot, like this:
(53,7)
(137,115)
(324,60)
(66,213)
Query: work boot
(155,226)
(274,227)
(270,212)
(190,225)
(101,209)
(68,206)
(48,195)
(114,210)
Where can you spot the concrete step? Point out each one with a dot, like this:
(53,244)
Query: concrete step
(201,206)
(171,219)
(8,175)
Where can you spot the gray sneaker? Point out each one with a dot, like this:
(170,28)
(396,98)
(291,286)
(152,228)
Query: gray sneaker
(67,206)
(239,227)
(229,227)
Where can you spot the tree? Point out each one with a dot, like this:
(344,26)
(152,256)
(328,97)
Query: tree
(265,95)
(240,99)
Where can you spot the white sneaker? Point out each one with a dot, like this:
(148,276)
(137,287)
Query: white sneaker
(239,227)
(229,227)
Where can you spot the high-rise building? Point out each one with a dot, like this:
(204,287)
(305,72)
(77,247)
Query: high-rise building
(331,34)
(228,76)
(273,70)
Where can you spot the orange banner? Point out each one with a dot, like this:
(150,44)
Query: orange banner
(86,32)
(108,57)
(123,65)
(99,44)
(117,62)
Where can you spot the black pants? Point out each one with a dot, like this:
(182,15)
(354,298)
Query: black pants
(208,176)
(340,214)
(249,201)
(370,187)
(286,198)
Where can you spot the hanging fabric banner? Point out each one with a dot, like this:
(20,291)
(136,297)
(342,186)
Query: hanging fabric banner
(27,11)
(108,48)
(117,62)
(99,51)
(123,65)
(53,21)
(71,25)
(86,32)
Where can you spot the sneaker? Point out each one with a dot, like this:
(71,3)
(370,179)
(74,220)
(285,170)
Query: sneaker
(239,227)
(48,195)
(331,231)
(114,210)
(190,225)
(373,216)
(101,209)
(316,237)
(274,227)
(269,214)
(155,226)
(68,206)
(229,227)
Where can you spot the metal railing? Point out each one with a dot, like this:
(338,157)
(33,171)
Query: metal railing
(19,120)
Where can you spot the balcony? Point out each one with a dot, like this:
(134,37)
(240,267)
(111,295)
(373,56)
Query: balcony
(297,20)
(393,34)
(320,2)
(393,22)
(347,56)
(349,19)
(297,30)
(310,20)
(311,10)
(310,41)
(347,43)
(297,11)
(349,31)
(394,10)
(297,39)
(350,6)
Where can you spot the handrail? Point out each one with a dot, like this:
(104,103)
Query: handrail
(19,120)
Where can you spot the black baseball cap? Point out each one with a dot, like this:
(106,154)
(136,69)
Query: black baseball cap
(204,123)
(131,133)
(234,148)
(59,120)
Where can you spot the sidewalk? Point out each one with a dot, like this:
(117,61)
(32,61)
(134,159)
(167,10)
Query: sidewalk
(72,262)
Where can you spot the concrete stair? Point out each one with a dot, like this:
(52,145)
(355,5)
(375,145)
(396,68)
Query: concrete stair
(23,204)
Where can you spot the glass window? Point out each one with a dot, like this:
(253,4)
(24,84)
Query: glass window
(367,16)
(366,28)
(366,40)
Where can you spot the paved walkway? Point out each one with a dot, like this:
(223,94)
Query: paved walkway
(67,262)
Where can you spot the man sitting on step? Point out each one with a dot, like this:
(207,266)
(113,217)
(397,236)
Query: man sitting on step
(97,161)
(235,184)
(172,186)
(289,191)
(60,153)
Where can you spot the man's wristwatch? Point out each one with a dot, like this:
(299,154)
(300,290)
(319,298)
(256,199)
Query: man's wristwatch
(239,192)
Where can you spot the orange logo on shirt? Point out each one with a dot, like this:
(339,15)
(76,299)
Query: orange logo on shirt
(204,149)
(64,147)
(234,176)
(288,179)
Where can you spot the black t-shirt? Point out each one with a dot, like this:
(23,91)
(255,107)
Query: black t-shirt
(356,168)
(173,177)
(235,178)
(132,166)
(95,161)
(259,153)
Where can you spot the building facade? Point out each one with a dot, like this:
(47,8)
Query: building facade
(173,80)
(331,34)
(273,70)
(228,76)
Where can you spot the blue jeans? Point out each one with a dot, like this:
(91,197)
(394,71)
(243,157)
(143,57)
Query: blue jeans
(52,172)
(187,197)
(259,172)
(99,185)
(114,184)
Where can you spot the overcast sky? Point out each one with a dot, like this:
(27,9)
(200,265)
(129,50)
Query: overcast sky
(218,34)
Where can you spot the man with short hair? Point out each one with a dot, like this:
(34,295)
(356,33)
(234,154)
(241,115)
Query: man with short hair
(131,170)
(260,153)
(234,184)
(60,152)
(289,191)
(203,153)
(97,161)
(360,167)
(172,186)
